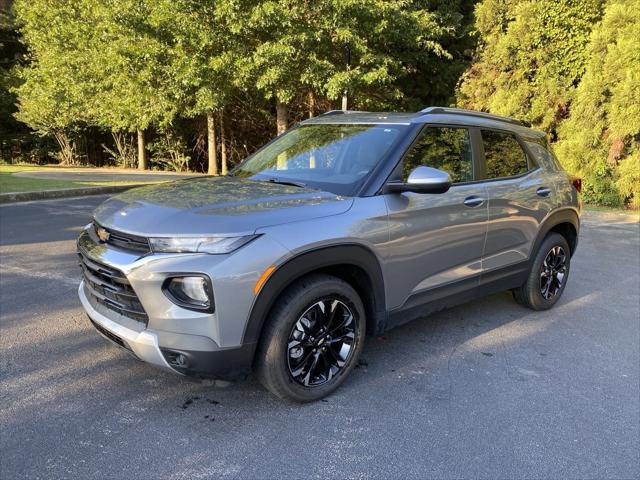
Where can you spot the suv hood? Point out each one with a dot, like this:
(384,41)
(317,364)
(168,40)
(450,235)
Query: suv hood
(214,205)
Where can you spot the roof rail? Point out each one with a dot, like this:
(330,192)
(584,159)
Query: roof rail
(340,112)
(473,113)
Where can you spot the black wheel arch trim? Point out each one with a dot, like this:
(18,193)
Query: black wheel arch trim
(319,259)
(555,218)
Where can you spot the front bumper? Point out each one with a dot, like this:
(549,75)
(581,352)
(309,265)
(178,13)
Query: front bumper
(228,364)
(209,344)
(143,344)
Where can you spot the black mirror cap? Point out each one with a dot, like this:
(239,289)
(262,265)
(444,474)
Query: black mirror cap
(400,187)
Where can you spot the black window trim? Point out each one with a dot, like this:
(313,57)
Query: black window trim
(532,165)
(474,164)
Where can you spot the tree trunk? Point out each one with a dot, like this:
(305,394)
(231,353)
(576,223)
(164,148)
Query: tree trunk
(344,101)
(142,154)
(282,119)
(223,144)
(67,148)
(311,102)
(211,142)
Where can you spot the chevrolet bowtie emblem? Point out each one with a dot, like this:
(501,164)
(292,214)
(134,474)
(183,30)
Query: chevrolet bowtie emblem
(103,235)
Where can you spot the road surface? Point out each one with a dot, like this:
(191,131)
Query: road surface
(488,389)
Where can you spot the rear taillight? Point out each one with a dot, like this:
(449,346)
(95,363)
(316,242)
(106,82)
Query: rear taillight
(577,183)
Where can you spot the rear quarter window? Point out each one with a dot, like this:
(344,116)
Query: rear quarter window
(504,157)
(539,147)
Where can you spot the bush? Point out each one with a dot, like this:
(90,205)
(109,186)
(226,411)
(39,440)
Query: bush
(169,152)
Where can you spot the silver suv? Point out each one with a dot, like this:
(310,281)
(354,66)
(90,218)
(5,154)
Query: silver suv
(345,226)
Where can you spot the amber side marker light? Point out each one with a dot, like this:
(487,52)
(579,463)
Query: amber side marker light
(263,278)
(577,183)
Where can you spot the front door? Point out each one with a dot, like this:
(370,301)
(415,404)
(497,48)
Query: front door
(436,239)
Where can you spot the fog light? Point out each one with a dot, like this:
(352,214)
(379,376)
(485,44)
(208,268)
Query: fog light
(193,292)
(175,359)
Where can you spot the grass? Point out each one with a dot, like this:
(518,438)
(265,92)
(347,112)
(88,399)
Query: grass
(599,208)
(12,183)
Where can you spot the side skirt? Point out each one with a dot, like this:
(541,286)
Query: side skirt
(440,298)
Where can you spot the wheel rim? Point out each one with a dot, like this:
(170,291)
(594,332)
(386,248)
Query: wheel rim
(553,272)
(321,342)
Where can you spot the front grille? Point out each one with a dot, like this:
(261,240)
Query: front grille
(123,240)
(109,287)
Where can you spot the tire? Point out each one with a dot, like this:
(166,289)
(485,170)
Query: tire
(532,294)
(298,316)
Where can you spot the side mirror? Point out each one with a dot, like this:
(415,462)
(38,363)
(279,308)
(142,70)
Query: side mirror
(422,180)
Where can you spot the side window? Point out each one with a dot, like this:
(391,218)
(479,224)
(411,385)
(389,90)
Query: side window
(540,149)
(504,155)
(445,148)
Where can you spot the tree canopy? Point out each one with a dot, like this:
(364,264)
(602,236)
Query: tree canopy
(130,65)
(601,138)
(572,69)
(202,83)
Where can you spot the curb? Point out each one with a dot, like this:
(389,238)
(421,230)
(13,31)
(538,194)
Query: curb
(64,193)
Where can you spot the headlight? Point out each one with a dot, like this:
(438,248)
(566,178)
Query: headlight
(214,245)
(192,292)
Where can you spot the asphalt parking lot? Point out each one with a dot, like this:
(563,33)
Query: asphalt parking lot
(488,389)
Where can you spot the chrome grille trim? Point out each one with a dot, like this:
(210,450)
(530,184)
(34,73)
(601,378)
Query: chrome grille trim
(126,241)
(110,287)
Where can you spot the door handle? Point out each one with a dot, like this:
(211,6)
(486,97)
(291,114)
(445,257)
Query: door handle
(473,201)
(543,192)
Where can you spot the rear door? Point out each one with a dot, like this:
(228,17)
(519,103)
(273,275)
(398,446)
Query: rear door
(436,239)
(520,197)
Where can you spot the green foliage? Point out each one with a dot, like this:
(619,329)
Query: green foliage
(84,72)
(126,65)
(53,91)
(10,53)
(169,152)
(123,153)
(571,68)
(300,46)
(601,139)
(16,139)
(531,57)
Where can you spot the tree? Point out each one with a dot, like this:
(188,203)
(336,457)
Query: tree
(531,57)
(131,66)
(150,66)
(298,48)
(96,63)
(388,41)
(11,57)
(205,47)
(601,139)
(52,97)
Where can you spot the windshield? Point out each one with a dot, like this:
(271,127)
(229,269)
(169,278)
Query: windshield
(335,158)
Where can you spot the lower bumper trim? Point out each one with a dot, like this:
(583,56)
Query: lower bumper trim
(143,344)
(227,364)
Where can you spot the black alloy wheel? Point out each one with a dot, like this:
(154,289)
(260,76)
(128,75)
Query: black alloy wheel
(321,342)
(553,272)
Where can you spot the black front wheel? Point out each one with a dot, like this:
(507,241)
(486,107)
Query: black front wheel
(548,276)
(312,340)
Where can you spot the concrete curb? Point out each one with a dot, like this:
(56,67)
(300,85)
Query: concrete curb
(64,193)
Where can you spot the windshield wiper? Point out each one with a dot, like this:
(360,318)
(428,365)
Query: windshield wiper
(287,182)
